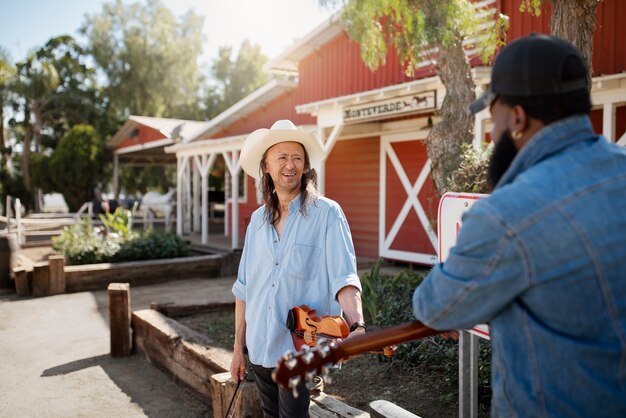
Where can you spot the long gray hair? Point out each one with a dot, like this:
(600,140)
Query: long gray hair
(308,189)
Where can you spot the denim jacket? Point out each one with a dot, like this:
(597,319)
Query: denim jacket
(543,261)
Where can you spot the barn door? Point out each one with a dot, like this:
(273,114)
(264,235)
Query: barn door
(408,202)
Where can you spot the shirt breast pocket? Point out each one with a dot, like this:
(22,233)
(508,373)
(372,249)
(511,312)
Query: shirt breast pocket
(305,262)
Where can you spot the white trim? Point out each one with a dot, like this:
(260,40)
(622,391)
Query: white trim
(146,145)
(208,146)
(412,190)
(622,140)
(608,121)
(245,106)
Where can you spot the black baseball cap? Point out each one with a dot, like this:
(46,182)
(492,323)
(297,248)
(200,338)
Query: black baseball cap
(532,66)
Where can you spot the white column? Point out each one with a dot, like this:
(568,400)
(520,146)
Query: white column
(234,167)
(196,197)
(227,180)
(480,121)
(205,165)
(235,205)
(180,169)
(327,147)
(187,224)
(116,175)
(608,121)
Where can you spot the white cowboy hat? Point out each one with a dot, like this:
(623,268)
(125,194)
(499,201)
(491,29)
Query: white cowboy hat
(283,130)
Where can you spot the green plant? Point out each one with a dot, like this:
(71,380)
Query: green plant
(84,244)
(387,300)
(119,223)
(80,244)
(471,175)
(152,245)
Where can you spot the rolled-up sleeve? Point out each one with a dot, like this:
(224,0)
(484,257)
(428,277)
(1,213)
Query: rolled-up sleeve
(483,273)
(340,255)
(239,287)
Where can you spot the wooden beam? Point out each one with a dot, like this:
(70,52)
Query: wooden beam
(56,271)
(119,319)
(41,280)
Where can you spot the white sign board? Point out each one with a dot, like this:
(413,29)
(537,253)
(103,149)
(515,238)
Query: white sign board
(396,106)
(451,209)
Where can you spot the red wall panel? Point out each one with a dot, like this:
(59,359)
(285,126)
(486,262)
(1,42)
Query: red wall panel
(356,189)
(144,134)
(609,49)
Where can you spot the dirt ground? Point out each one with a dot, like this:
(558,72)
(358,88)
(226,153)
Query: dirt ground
(360,380)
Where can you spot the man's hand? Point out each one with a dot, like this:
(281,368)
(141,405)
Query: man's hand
(358,331)
(238,366)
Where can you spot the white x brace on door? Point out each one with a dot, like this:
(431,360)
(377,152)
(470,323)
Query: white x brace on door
(421,228)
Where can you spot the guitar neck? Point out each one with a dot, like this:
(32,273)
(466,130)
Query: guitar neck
(295,368)
(389,336)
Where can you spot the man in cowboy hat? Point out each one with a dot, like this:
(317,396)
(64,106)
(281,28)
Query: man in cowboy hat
(542,259)
(298,250)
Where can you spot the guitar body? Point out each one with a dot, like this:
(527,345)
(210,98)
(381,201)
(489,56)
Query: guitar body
(306,327)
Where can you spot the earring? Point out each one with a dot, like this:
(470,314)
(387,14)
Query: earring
(516,135)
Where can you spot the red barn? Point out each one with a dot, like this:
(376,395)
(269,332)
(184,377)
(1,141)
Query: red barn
(372,125)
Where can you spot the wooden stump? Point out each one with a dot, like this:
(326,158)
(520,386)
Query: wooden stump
(119,319)
(41,279)
(223,388)
(56,271)
(20,276)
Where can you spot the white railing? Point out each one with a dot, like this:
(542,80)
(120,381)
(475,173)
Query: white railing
(14,223)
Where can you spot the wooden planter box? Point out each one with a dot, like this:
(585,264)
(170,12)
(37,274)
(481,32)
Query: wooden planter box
(98,276)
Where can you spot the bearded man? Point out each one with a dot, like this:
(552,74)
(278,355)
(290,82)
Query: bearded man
(543,258)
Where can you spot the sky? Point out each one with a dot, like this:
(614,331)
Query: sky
(273,24)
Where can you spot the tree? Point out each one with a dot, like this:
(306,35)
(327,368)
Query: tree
(573,20)
(148,57)
(6,73)
(430,29)
(53,89)
(78,165)
(234,80)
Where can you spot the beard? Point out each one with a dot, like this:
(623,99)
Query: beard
(503,155)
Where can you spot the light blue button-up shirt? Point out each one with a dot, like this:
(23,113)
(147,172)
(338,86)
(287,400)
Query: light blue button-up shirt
(309,265)
(543,260)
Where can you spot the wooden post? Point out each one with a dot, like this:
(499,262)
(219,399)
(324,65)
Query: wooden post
(20,275)
(56,271)
(223,388)
(119,319)
(41,279)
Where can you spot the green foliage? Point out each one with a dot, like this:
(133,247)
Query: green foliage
(531,6)
(149,58)
(387,301)
(77,165)
(414,26)
(471,176)
(11,182)
(119,223)
(152,245)
(81,245)
(234,80)
(138,180)
(85,244)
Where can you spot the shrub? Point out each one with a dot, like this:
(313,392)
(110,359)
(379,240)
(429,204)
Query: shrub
(85,244)
(388,300)
(152,245)
(471,176)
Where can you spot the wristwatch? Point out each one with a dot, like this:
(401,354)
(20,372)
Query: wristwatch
(356,325)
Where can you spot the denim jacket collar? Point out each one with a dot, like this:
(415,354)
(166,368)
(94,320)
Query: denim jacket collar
(550,140)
